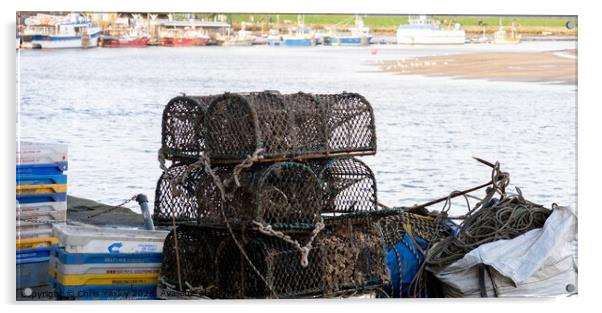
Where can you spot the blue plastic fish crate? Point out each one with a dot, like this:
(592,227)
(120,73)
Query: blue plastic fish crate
(42,169)
(34,254)
(41,179)
(32,267)
(42,197)
(106,258)
(108,292)
(32,274)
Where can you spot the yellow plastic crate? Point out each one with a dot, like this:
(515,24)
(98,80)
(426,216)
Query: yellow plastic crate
(104,279)
(36,189)
(31,243)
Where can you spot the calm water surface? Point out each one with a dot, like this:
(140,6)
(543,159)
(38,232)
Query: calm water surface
(106,104)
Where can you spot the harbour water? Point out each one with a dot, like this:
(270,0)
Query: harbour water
(106,104)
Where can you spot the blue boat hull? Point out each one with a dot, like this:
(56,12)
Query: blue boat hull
(290,42)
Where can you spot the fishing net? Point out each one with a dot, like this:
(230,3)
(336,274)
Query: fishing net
(348,185)
(182,130)
(288,126)
(396,225)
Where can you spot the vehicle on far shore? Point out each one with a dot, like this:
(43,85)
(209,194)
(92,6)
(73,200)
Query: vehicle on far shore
(422,30)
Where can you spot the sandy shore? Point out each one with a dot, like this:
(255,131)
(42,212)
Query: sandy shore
(551,66)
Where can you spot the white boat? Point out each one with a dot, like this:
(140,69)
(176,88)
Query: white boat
(422,30)
(49,31)
(242,38)
(503,37)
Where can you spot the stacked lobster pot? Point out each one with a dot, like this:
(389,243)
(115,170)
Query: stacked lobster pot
(265,197)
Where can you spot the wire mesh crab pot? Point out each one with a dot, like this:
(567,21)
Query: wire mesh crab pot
(182,129)
(345,259)
(288,126)
(348,185)
(196,254)
(176,197)
(355,254)
(277,261)
(283,194)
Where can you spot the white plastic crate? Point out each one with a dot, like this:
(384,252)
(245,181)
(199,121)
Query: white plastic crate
(31,230)
(29,209)
(41,217)
(40,153)
(81,239)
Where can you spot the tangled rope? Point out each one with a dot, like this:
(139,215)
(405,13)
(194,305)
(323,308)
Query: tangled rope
(207,167)
(489,220)
(267,230)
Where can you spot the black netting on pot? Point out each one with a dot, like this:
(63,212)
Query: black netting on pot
(348,185)
(350,123)
(307,134)
(355,256)
(176,196)
(193,264)
(238,124)
(289,126)
(282,194)
(277,261)
(182,129)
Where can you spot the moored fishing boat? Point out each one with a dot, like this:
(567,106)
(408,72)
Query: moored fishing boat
(127,41)
(187,38)
(50,31)
(503,37)
(422,30)
(359,35)
(242,38)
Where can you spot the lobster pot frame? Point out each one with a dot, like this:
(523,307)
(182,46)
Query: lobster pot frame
(346,258)
(182,129)
(348,185)
(349,123)
(277,261)
(177,197)
(197,251)
(301,126)
(280,194)
(355,254)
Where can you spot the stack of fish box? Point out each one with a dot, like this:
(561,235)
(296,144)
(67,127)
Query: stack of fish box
(106,264)
(304,177)
(41,202)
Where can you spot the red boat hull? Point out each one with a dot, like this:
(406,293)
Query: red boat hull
(185,42)
(138,42)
